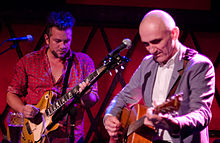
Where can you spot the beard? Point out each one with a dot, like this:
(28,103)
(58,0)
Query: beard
(55,54)
(61,56)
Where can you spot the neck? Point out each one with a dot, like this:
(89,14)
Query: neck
(175,49)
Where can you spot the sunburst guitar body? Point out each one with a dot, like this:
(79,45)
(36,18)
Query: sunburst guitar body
(34,130)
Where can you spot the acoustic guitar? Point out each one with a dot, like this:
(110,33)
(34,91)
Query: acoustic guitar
(134,130)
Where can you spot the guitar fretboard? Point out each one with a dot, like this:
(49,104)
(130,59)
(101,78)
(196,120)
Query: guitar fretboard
(72,93)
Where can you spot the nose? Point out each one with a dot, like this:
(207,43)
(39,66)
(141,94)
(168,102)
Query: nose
(151,49)
(62,45)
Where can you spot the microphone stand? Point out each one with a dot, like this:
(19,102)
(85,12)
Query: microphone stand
(5,112)
(14,46)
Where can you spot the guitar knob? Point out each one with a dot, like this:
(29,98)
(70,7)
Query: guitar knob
(122,67)
(116,70)
(174,113)
(110,73)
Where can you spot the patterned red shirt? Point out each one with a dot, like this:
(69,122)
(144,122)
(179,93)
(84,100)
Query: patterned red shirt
(33,77)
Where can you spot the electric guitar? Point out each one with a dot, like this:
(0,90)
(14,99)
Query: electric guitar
(34,130)
(134,130)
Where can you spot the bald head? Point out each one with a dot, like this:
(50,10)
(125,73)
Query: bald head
(160,18)
(159,33)
(157,21)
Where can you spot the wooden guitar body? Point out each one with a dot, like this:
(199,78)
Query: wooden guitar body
(136,132)
(133,127)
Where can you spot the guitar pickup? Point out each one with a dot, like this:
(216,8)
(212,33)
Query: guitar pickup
(28,128)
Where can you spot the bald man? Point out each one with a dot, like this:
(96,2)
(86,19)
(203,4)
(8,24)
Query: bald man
(154,79)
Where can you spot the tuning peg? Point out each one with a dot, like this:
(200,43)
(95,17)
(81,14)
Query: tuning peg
(116,70)
(122,67)
(110,73)
(104,63)
(174,113)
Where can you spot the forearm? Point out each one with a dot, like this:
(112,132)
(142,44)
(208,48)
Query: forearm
(127,97)
(15,102)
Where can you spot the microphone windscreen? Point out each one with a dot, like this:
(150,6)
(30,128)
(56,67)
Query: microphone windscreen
(29,37)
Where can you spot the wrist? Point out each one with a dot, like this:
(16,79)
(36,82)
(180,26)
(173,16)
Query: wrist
(105,117)
(21,109)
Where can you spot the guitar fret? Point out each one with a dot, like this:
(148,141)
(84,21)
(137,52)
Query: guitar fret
(74,92)
(91,77)
(57,105)
(65,97)
(53,108)
(69,95)
(49,110)
(60,102)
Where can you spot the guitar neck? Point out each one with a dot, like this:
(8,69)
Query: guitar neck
(170,105)
(74,92)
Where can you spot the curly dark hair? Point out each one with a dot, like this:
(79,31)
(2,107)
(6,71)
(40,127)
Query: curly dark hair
(62,20)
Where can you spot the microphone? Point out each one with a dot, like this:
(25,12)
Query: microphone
(126,44)
(28,37)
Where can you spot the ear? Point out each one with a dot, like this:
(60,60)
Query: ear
(47,39)
(175,33)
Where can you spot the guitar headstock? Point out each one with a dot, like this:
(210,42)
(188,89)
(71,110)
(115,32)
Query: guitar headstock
(111,62)
(170,106)
(114,59)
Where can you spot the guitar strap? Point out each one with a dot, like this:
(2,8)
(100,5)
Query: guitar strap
(65,84)
(173,89)
(67,74)
(187,56)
